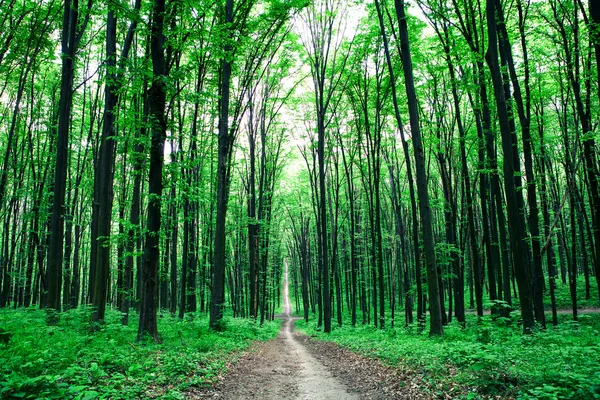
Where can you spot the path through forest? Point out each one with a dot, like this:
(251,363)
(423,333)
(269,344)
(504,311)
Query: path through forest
(293,366)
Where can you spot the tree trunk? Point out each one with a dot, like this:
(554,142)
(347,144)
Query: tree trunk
(435,323)
(71,34)
(156,102)
(516,222)
(218,270)
(409,175)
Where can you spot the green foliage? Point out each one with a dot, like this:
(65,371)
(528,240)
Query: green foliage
(563,295)
(5,336)
(487,358)
(68,361)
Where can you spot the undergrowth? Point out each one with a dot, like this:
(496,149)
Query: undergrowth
(68,361)
(488,358)
(563,295)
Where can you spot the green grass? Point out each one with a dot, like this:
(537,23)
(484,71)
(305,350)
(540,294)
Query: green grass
(488,359)
(69,362)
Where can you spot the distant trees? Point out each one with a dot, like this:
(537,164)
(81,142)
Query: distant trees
(144,83)
(323,21)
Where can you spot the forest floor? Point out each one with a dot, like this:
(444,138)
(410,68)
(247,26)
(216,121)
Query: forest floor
(485,359)
(295,366)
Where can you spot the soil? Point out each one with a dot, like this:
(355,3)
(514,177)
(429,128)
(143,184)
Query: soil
(294,366)
(369,378)
(269,370)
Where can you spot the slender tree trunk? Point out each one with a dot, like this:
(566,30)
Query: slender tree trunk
(409,174)
(473,235)
(103,182)
(218,270)
(69,43)
(515,216)
(435,324)
(174,244)
(353,250)
(253,226)
(156,102)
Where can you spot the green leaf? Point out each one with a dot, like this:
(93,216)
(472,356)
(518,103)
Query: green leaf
(90,395)
(478,366)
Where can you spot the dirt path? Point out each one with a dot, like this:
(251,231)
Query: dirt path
(315,380)
(281,369)
(293,366)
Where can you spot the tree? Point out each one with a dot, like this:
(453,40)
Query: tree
(324,19)
(158,123)
(516,222)
(72,32)
(224,146)
(435,323)
(104,170)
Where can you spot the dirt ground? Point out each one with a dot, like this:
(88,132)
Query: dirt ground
(294,366)
(367,377)
(267,371)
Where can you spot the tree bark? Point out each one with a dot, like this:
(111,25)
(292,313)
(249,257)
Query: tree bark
(71,35)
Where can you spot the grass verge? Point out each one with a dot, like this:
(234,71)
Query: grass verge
(487,359)
(67,361)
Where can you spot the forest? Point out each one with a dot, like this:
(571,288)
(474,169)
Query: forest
(411,187)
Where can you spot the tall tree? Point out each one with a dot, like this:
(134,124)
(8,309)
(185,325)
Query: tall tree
(327,61)
(104,169)
(435,322)
(72,31)
(224,154)
(516,221)
(158,122)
